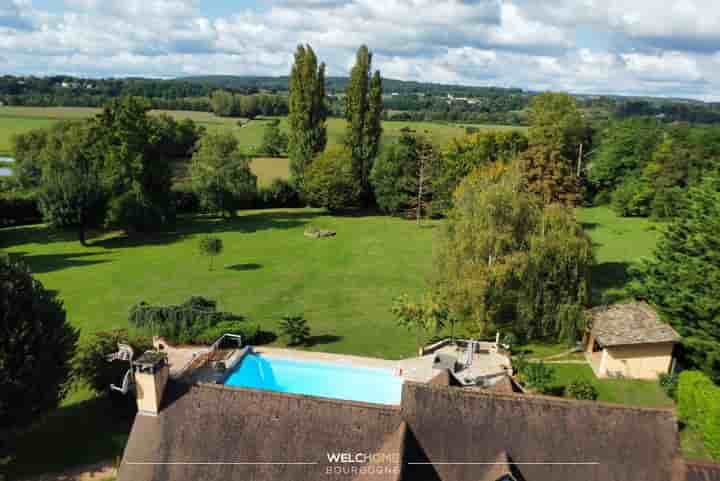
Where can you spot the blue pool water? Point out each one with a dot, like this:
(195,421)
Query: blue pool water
(322,379)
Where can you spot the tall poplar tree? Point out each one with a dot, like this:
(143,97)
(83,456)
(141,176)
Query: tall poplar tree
(363,111)
(307,111)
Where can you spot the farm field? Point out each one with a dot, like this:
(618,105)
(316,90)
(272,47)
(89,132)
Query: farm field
(15,120)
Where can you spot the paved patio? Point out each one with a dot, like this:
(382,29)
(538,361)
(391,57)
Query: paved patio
(417,369)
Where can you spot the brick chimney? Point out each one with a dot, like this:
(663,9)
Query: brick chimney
(151,375)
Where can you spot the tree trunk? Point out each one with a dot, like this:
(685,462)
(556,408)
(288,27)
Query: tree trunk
(421,180)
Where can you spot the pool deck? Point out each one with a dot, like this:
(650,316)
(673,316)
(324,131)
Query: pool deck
(417,369)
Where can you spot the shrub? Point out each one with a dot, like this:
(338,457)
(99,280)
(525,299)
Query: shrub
(699,407)
(91,364)
(669,384)
(633,198)
(248,332)
(295,329)
(538,376)
(280,193)
(583,390)
(179,324)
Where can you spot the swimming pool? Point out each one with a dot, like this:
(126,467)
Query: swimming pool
(322,379)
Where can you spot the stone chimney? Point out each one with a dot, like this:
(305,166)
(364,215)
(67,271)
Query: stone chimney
(151,375)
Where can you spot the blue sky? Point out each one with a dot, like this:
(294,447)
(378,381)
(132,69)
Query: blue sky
(638,47)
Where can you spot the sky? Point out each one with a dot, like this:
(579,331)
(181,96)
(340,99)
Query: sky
(631,47)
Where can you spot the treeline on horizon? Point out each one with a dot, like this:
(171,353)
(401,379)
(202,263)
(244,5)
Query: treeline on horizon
(404,100)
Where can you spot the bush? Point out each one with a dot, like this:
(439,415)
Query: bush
(329,181)
(179,324)
(669,384)
(280,193)
(296,330)
(538,376)
(248,332)
(91,364)
(699,407)
(633,198)
(583,390)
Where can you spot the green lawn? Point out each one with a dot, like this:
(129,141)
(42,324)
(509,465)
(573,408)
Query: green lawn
(344,285)
(619,243)
(620,391)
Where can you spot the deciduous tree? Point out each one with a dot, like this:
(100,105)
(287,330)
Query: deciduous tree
(37,345)
(329,180)
(221,174)
(363,112)
(307,111)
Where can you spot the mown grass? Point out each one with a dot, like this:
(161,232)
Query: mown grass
(630,392)
(344,286)
(619,243)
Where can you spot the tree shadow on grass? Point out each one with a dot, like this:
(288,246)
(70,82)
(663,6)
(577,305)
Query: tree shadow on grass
(35,234)
(609,282)
(197,225)
(44,263)
(321,340)
(244,267)
(82,433)
(589,225)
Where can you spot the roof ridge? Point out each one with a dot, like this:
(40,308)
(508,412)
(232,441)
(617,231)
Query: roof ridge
(540,399)
(303,397)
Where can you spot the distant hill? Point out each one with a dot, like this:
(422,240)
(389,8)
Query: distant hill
(338,84)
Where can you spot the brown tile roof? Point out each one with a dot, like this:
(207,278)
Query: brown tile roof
(632,323)
(702,471)
(215,424)
(452,425)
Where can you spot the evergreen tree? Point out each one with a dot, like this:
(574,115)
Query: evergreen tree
(307,111)
(683,278)
(363,112)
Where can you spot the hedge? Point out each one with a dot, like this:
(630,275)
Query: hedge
(699,407)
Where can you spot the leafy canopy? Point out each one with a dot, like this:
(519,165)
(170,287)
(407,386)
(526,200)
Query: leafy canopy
(37,345)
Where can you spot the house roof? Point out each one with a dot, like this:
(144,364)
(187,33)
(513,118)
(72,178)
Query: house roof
(215,424)
(631,323)
(435,425)
(457,426)
(702,471)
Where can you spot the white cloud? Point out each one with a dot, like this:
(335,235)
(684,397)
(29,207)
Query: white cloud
(658,46)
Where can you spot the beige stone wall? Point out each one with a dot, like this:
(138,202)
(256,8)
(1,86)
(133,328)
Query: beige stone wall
(642,361)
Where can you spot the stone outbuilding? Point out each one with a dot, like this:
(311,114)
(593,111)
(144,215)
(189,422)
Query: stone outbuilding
(629,340)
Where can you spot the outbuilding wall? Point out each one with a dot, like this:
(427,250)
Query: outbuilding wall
(640,361)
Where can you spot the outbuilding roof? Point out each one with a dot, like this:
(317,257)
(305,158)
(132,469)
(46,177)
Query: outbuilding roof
(627,324)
